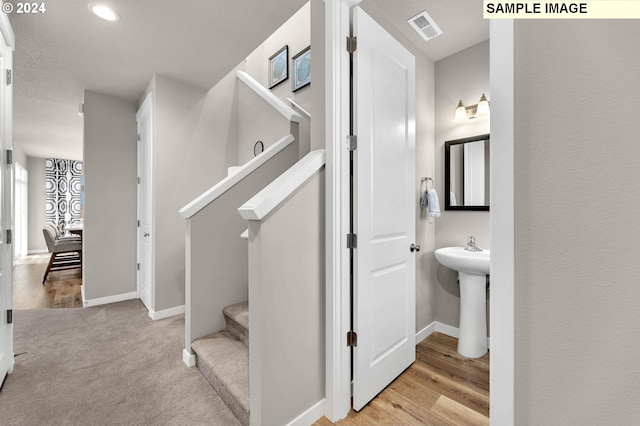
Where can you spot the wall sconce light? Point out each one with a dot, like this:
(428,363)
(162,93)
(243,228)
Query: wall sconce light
(465,113)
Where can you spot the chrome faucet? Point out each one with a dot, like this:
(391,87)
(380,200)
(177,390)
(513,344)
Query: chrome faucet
(471,244)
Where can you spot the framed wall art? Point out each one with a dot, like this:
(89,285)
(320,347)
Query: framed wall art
(301,69)
(279,67)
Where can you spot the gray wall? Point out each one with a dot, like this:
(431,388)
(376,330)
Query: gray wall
(577,153)
(317,88)
(425,166)
(287,342)
(191,153)
(296,34)
(36,170)
(464,75)
(110,196)
(217,254)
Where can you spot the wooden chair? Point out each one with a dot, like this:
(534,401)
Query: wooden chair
(66,252)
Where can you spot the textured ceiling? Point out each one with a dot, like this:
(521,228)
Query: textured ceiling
(461,23)
(66,50)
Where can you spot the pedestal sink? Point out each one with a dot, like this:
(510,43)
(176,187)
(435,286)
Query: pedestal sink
(473,268)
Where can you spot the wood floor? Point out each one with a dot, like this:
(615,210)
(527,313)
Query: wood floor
(61,290)
(440,388)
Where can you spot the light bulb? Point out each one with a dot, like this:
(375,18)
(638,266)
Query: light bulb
(483,107)
(461,113)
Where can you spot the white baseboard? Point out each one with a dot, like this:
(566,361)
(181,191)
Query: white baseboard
(188,358)
(425,332)
(37,251)
(440,327)
(166,313)
(109,299)
(310,416)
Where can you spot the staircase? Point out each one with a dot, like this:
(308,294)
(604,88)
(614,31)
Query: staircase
(223,359)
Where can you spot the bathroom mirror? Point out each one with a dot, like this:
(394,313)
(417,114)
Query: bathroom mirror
(466,173)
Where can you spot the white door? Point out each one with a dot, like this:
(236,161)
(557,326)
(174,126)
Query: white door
(145,267)
(6,261)
(384,209)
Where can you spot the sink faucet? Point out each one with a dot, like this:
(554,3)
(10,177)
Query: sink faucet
(471,244)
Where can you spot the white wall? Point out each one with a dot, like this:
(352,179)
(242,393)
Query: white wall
(464,75)
(577,153)
(109,267)
(36,199)
(425,166)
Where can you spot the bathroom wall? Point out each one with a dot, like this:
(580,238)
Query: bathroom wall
(461,76)
(425,166)
(577,200)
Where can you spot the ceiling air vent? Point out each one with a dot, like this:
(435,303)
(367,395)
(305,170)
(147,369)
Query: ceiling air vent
(425,25)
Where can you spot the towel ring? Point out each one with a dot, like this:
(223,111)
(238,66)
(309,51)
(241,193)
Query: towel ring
(427,179)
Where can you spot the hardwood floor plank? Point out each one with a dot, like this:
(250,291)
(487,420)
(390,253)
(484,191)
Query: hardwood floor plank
(458,413)
(472,398)
(446,365)
(61,290)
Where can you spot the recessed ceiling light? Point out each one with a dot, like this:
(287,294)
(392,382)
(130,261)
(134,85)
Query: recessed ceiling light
(103,11)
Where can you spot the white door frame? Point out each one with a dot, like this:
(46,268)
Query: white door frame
(20,205)
(146,108)
(6,141)
(338,367)
(502,306)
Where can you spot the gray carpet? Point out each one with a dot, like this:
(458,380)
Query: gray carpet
(106,365)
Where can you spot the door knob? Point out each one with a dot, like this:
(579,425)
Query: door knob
(414,247)
(146,234)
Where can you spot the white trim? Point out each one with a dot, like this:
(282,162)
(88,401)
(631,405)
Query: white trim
(263,203)
(227,183)
(110,299)
(502,224)
(269,97)
(166,313)
(337,113)
(310,416)
(306,114)
(38,251)
(440,327)
(425,332)
(188,358)
(7,31)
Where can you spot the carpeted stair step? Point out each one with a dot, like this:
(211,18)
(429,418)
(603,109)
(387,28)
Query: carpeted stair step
(224,362)
(237,317)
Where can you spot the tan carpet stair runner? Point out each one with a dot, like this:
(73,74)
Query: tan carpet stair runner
(223,359)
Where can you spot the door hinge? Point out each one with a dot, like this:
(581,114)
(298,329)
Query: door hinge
(138,266)
(138,137)
(352,339)
(9,316)
(138,181)
(9,77)
(352,142)
(352,241)
(9,156)
(352,44)
(138,224)
(9,236)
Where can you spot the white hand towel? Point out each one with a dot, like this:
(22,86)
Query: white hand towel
(433,203)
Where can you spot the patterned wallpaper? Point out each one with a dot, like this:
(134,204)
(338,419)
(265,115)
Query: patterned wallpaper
(63,192)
